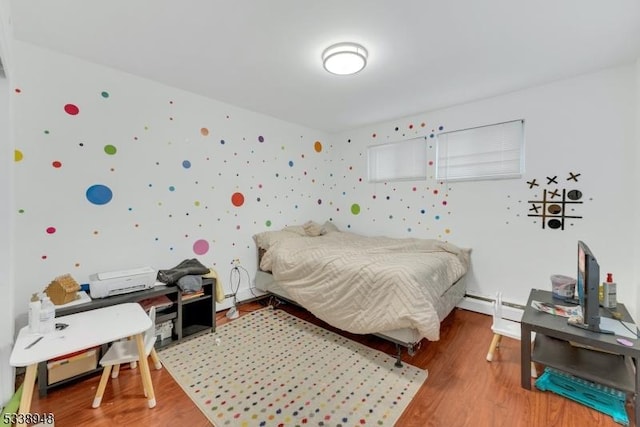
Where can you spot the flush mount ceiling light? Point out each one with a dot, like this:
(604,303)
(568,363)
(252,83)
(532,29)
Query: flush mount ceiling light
(344,58)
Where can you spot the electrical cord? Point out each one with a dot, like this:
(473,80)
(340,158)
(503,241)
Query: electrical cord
(237,269)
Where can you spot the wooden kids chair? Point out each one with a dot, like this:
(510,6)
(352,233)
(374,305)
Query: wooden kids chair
(126,352)
(502,327)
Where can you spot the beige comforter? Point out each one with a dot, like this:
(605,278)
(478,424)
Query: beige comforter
(368,284)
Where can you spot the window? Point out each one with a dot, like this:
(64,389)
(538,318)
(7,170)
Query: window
(485,152)
(397,161)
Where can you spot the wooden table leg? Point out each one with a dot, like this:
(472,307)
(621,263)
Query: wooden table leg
(27,389)
(144,371)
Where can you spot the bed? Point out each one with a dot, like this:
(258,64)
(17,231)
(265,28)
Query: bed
(398,289)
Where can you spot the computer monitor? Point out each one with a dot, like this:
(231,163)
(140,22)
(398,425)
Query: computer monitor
(588,284)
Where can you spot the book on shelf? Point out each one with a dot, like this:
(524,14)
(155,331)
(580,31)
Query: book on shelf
(192,295)
(161,302)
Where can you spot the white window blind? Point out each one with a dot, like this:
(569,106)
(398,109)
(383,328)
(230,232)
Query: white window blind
(403,160)
(486,152)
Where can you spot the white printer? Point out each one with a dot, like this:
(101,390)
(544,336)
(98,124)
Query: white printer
(102,285)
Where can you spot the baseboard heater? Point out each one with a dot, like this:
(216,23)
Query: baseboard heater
(482,304)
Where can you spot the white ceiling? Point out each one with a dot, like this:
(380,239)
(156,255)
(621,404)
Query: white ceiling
(264,55)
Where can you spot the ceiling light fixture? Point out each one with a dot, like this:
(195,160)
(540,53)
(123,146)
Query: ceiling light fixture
(344,58)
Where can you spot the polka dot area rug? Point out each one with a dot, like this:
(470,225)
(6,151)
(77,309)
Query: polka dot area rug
(269,368)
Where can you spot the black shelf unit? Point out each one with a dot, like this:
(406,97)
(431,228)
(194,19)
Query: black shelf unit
(189,316)
(611,370)
(592,356)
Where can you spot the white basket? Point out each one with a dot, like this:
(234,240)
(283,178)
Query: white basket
(163,330)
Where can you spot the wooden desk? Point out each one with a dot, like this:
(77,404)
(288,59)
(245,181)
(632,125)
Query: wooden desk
(189,316)
(86,329)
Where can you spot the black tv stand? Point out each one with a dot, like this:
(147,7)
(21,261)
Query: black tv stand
(575,350)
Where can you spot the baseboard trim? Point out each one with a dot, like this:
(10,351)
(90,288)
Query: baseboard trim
(483,305)
(243,295)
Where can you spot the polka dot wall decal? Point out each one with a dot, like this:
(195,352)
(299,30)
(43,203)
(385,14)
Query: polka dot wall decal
(201,247)
(17,155)
(204,131)
(186,164)
(290,163)
(50,230)
(261,138)
(237,199)
(18,90)
(317,146)
(267,223)
(104,94)
(71,109)
(355,209)
(172,188)
(110,149)
(99,194)
(56,164)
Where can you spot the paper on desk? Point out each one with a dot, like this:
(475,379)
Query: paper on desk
(618,327)
(558,310)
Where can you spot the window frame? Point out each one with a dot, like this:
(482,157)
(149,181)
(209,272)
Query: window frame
(382,168)
(483,158)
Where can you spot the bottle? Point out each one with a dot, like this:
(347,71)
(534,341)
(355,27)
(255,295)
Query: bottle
(47,316)
(34,313)
(609,290)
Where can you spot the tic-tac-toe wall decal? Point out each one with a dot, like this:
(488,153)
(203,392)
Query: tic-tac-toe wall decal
(556,200)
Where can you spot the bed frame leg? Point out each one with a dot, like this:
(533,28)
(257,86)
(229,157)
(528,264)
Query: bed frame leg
(398,363)
(274,303)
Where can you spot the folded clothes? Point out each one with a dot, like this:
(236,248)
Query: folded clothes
(190,283)
(186,267)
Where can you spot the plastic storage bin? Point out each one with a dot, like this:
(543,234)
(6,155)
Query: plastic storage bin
(71,365)
(563,286)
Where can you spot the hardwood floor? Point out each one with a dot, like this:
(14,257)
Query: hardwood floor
(463,389)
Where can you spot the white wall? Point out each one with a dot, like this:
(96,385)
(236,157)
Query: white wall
(162,209)
(636,179)
(6,208)
(581,125)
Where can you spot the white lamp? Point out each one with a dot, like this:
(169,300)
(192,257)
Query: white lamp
(344,58)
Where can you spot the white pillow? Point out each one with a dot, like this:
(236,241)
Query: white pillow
(312,229)
(298,229)
(328,227)
(265,239)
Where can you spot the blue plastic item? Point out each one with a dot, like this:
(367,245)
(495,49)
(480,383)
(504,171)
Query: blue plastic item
(601,398)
